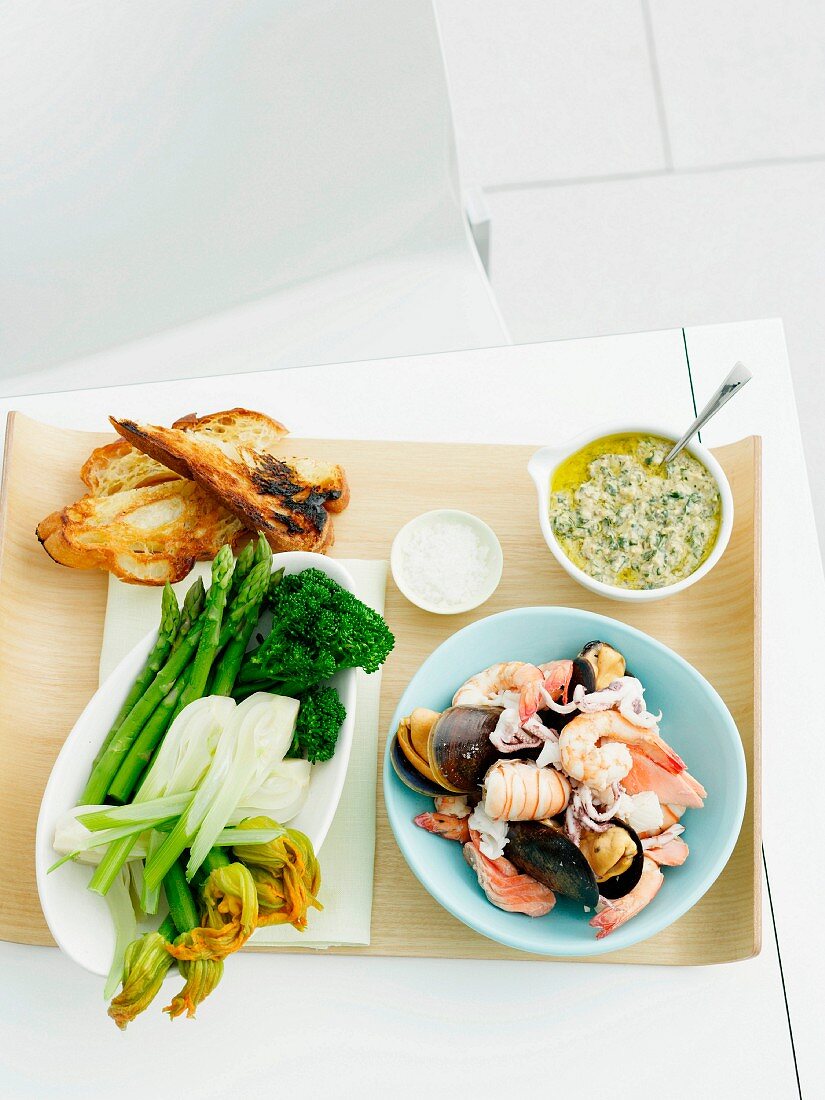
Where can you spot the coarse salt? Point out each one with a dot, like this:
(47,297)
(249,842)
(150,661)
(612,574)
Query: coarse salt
(445,564)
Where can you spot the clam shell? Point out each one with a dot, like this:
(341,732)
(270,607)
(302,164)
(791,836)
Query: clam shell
(460,749)
(408,774)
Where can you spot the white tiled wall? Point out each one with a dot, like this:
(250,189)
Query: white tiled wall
(651,163)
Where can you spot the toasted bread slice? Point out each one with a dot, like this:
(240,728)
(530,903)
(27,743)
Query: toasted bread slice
(148,535)
(119,466)
(287,502)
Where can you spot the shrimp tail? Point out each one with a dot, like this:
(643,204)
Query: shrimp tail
(619,912)
(558,675)
(447,825)
(529,700)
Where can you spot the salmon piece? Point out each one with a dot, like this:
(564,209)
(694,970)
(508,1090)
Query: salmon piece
(672,853)
(505,886)
(645,775)
(697,786)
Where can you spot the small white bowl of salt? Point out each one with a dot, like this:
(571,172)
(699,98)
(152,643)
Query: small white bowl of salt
(446,561)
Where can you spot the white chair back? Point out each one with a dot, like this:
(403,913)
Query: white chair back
(167,160)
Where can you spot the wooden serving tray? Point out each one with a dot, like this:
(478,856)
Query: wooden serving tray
(52,623)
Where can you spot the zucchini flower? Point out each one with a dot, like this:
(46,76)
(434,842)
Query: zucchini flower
(230,913)
(286,874)
(146,962)
(202,975)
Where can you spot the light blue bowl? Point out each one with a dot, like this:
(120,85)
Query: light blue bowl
(696,723)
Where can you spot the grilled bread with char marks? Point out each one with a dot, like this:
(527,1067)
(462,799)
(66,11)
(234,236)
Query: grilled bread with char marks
(148,523)
(119,466)
(287,499)
(148,535)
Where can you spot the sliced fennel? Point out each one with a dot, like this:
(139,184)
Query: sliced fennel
(138,813)
(252,744)
(150,897)
(187,749)
(75,841)
(263,727)
(182,759)
(227,838)
(123,917)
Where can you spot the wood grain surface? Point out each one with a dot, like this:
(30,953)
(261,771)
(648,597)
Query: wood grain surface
(52,624)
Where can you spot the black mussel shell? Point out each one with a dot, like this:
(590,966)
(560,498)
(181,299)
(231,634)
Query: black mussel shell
(460,748)
(546,854)
(597,666)
(409,776)
(620,885)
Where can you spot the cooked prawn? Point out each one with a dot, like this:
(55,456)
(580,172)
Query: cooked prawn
(616,913)
(585,759)
(557,676)
(507,684)
(600,748)
(518,790)
(447,825)
(505,886)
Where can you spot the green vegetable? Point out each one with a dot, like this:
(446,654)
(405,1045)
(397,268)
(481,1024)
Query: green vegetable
(251,590)
(167,928)
(209,642)
(237,761)
(229,664)
(182,908)
(125,925)
(148,959)
(318,725)
(170,622)
(215,858)
(107,767)
(243,563)
(193,603)
(145,967)
(318,628)
(140,754)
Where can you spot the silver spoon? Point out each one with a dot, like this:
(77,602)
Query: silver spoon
(732,384)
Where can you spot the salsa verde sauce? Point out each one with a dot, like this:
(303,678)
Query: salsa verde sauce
(627,520)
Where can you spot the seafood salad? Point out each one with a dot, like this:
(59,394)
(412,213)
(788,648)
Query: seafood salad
(555,780)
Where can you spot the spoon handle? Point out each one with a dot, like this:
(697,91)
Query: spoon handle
(732,384)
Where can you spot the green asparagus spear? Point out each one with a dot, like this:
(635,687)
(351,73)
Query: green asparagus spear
(210,637)
(170,621)
(140,754)
(182,908)
(107,767)
(189,686)
(228,667)
(109,764)
(190,612)
(243,563)
(252,591)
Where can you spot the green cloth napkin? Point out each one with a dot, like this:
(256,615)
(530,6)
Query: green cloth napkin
(348,853)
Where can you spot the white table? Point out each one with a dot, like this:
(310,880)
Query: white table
(337,1026)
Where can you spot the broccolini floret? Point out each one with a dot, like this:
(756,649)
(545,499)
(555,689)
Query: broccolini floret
(318,628)
(319,721)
